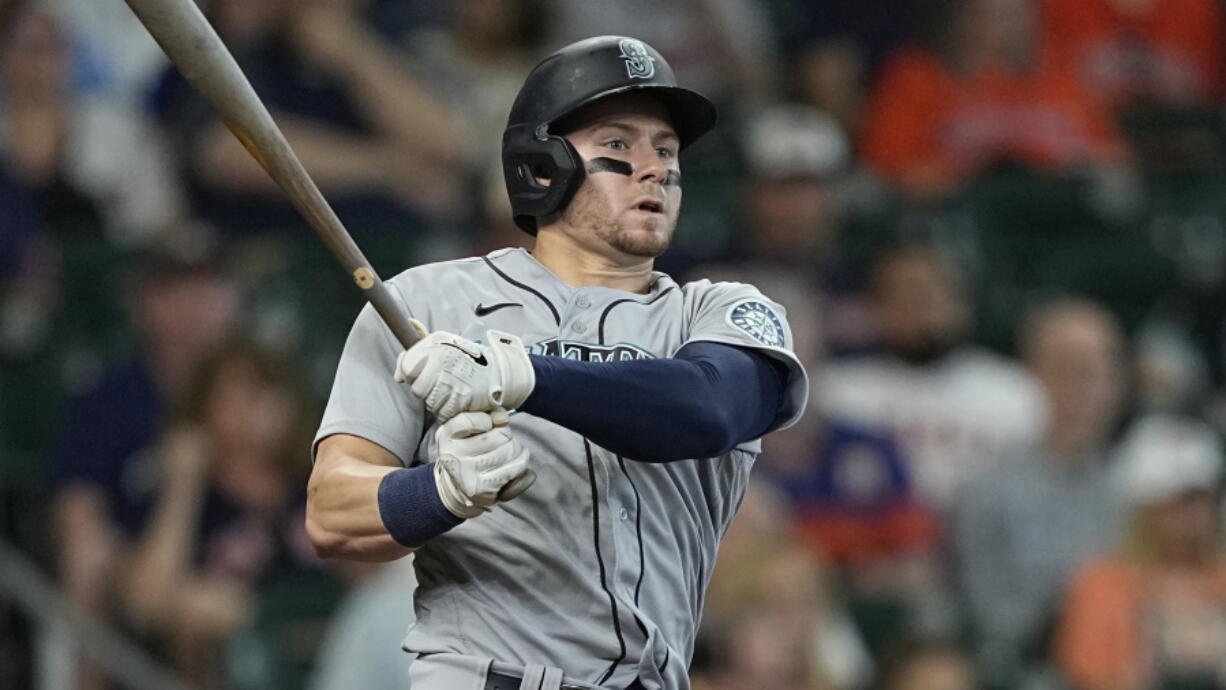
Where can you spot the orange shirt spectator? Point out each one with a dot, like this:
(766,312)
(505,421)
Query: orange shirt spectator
(1153,614)
(930,128)
(1123,622)
(1130,52)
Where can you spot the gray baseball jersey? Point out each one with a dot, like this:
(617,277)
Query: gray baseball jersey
(600,568)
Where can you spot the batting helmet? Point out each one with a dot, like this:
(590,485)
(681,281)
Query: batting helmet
(579,74)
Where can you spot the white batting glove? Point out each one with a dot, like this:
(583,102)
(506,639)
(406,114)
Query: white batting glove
(452,374)
(479,463)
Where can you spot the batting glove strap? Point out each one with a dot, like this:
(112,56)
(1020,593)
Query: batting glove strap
(450,374)
(451,496)
(515,371)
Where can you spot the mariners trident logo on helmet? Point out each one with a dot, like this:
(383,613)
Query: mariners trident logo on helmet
(639,65)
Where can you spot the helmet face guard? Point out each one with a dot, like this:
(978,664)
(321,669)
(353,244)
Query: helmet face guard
(575,76)
(529,153)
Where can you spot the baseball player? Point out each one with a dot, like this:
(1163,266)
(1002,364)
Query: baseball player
(637,406)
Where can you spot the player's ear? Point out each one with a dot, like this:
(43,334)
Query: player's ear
(543,176)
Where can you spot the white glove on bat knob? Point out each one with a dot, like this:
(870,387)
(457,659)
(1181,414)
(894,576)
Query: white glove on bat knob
(452,374)
(479,463)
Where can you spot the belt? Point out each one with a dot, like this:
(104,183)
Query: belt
(502,681)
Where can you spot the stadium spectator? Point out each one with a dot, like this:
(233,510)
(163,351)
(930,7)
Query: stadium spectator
(794,160)
(795,156)
(953,407)
(1021,530)
(853,504)
(1152,613)
(81,182)
(831,76)
(1131,53)
(104,474)
(476,63)
(772,642)
(229,513)
(88,160)
(771,618)
(379,144)
(982,94)
(114,56)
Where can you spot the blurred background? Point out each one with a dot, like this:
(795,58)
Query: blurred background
(998,227)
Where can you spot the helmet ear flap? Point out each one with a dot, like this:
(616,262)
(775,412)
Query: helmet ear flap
(528,155)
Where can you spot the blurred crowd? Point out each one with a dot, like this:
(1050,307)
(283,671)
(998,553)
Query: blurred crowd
(998,227)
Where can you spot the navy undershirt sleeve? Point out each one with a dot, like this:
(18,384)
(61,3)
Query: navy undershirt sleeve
(700,403)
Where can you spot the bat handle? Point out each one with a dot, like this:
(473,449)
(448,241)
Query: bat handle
(380,297)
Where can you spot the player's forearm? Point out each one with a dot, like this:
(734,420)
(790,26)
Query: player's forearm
(699,404)
(343,516)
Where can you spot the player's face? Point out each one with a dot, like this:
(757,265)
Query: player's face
(636,213)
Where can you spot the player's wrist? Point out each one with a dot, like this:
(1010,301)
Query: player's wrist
(411,507)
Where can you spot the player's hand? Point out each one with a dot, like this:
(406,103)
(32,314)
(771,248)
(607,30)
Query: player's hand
(453,374)
(479,463)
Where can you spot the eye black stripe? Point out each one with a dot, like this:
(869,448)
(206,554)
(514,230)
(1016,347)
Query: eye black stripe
(557,318)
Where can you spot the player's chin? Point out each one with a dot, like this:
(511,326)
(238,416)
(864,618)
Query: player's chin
(647,237)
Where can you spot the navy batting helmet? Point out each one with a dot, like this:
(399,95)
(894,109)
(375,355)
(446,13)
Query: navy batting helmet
(571,78)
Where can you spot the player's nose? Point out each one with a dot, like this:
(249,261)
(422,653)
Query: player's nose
(647,164)
(651,168)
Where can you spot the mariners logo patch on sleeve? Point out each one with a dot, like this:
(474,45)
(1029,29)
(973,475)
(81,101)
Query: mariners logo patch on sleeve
(759,321)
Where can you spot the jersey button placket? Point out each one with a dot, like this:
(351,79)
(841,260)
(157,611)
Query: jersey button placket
(578,304)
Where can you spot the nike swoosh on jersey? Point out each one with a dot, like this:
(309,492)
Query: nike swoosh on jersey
(478,358)
(482,310)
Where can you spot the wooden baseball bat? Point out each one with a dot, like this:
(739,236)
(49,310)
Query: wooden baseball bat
(194,47)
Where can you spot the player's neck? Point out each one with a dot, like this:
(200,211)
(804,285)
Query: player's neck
(579,266)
